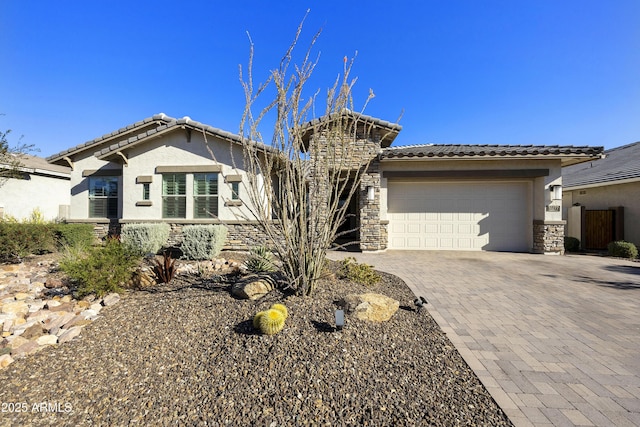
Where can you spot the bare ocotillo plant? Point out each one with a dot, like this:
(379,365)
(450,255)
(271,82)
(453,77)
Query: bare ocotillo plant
(301,180)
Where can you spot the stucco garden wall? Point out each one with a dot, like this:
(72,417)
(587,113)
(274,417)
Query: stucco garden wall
(605,197)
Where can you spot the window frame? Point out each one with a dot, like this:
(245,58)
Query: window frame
(179,199)
(110,199)
(207,198)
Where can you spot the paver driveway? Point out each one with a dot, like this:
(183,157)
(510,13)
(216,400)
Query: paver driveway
(555,339)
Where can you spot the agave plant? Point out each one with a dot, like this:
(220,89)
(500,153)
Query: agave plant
(260,260)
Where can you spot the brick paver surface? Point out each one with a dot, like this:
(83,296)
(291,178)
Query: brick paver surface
(555,339)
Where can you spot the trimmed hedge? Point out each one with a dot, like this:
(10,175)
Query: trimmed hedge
(202,241)
(623,249)
(18,240)
(145,238)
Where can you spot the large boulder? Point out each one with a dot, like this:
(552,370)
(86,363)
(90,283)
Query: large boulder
(370,306)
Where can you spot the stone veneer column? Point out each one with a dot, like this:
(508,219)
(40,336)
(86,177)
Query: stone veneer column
(548,237)
(373,233)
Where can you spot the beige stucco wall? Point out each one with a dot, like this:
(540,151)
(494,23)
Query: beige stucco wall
(19,197)
(605,197)
(540,193)
(174,150)
(171,149)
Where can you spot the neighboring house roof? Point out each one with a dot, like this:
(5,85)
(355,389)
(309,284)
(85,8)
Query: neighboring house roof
(569,154)
(38,165)
(619,165)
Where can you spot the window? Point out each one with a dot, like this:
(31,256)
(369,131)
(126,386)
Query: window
(103,197)
(235,191)
(145,191)
(174,195)
(205,195)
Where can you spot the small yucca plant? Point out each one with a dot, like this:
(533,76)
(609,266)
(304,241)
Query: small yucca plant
(260,260)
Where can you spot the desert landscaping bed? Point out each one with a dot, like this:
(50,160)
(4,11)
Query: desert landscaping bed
(187,354)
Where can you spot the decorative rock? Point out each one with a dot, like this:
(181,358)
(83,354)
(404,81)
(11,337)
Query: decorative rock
(370,306)
(96,307)
(21,296)
(67,306)
(52,282)
(110,299)
(33,331)
(11,268)
(47,340)
(66,298)
(26,348)
(59,321)
(88,313)
(36,305)
(15,341)
(5,360)
(253,287)
(15,307)
(83,304)
(69,334)
(78,320)
(52,303)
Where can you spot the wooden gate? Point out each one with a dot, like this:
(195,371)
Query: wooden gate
(599,229)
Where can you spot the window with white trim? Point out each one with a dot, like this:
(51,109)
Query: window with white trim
(174,195)
(205,195)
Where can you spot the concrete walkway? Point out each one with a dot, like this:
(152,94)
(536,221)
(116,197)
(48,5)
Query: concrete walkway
(555,339)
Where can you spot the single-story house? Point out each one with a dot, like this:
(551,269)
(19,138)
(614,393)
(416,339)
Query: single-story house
(446,197)
(601,198)
(42,186)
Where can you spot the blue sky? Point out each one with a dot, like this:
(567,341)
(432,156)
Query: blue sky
(460,71)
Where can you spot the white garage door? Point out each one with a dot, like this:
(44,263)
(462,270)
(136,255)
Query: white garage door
(493,216)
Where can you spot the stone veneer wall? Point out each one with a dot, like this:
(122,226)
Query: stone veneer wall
(362,150)
(241,236)
(548,237)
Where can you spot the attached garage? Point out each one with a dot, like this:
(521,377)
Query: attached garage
(460,215)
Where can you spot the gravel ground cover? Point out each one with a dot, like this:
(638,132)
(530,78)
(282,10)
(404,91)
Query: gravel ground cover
(187,354)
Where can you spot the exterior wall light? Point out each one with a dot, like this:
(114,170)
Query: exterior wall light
(371,193)
(339,320)
(556,192)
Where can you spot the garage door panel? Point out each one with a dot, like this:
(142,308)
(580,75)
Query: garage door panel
(459,216)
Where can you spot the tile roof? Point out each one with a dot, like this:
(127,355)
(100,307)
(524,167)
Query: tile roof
(138,132)
(621,163)
(486,151)
(149,121)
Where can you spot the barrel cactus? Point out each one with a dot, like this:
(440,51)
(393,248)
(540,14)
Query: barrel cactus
(271,322)
(256,319)
(281,308)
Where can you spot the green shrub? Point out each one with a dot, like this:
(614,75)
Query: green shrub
(72,235)
(101,270)
(571,244)
(260,260)
(363,274)
(145,238)
(623,249)
(18,240)
(203,241)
